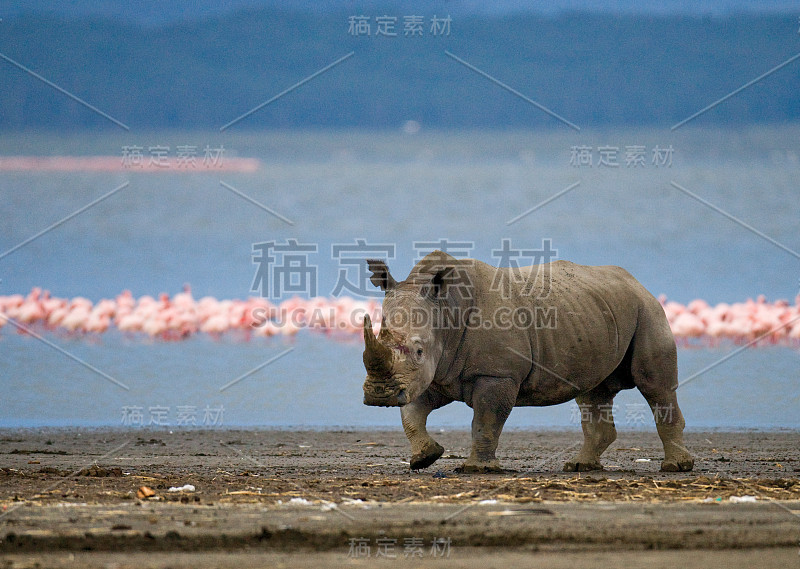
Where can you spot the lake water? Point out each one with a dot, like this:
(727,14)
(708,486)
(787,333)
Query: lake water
(398,190)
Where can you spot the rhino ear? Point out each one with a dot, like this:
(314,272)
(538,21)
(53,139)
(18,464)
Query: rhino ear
(440,282)
(381,277)
(441,274)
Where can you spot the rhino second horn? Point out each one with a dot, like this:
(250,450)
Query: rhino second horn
(384,333)
(377,357)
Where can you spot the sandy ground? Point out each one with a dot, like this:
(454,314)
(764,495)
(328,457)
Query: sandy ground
(68,498)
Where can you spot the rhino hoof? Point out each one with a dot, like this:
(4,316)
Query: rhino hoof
(428,456)
(685,465)
(582,466)
(480,469)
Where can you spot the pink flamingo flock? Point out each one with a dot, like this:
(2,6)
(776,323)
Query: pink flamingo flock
(182,316)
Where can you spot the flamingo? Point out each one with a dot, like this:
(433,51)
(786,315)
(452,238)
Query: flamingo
(76,318)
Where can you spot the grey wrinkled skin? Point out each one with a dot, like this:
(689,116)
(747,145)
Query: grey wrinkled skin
(594,332)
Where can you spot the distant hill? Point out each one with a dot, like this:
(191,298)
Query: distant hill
(150,13)
(592,69)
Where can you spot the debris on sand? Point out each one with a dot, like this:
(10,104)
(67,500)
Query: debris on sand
(741,499)
(100,472)
(300,502)
(324,505)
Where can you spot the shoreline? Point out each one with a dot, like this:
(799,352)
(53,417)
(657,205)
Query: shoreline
(519,448)
(388,428)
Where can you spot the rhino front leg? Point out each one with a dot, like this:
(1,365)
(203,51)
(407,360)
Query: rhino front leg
(424,450)
(597,423)
(492,401)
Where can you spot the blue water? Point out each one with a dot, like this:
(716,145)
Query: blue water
(387,188)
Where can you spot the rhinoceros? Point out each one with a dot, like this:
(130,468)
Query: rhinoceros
(496,338)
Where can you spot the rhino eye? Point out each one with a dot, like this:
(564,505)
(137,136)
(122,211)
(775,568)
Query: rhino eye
(419,352)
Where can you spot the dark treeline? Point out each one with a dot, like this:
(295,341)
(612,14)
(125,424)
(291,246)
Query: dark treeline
(593,70)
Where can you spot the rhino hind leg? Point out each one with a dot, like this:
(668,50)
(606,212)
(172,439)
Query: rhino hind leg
(424,450)
(655,373)
(597,423)
(670,424)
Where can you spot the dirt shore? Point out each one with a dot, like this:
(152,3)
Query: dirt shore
(263,497)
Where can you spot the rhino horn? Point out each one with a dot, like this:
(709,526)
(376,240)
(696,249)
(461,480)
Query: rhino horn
(377,357)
